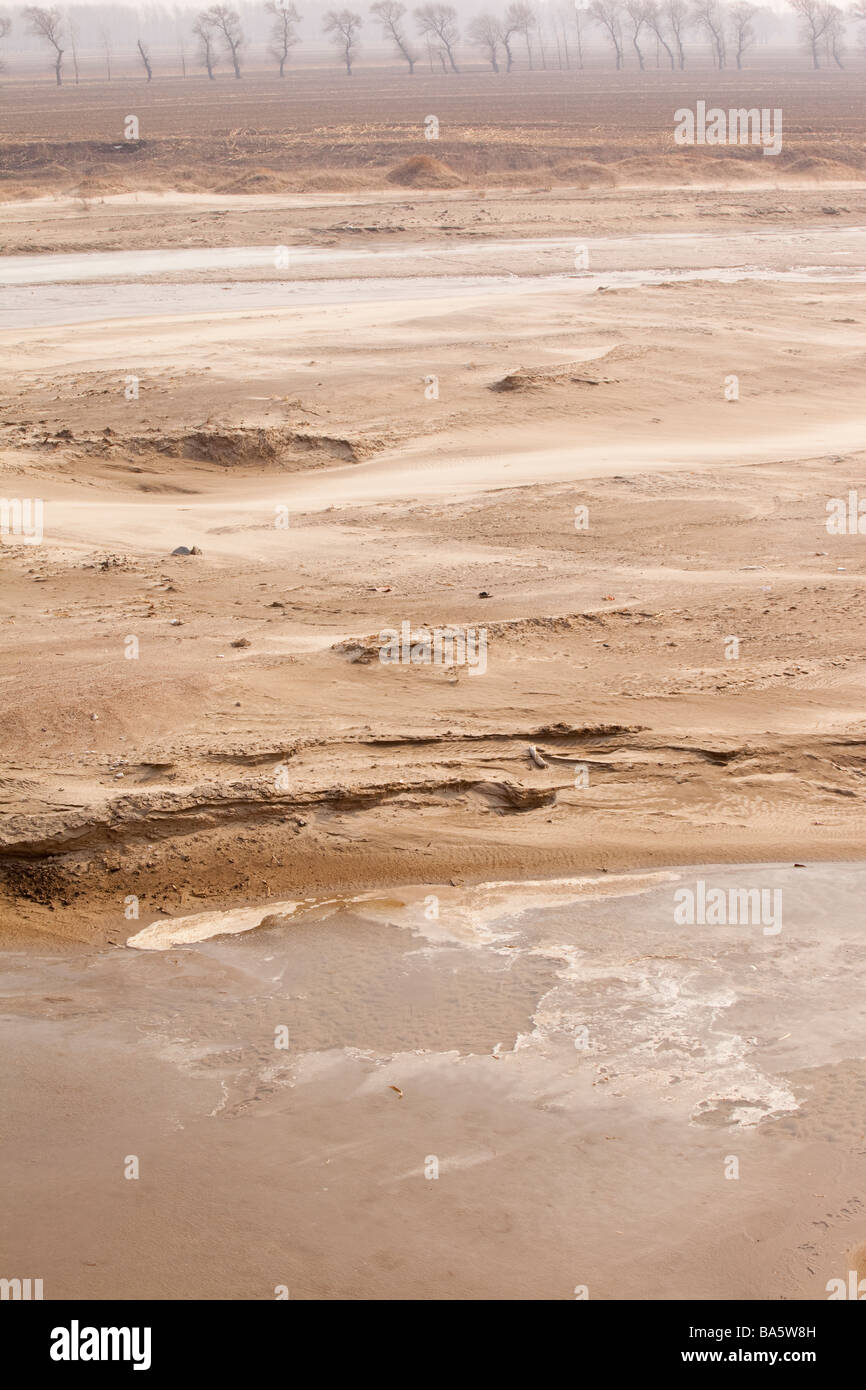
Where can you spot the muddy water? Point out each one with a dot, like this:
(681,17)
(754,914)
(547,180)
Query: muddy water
(779,249)
(68,304)
(46,290)
(580,1065)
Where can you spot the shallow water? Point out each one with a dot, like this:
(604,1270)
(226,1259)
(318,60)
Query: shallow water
(695,249)
(55,305)
(46,290)
(581,1069)
(627,992)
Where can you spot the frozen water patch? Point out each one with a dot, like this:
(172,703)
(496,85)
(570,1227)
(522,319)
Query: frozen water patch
(486,915)
(466,922)
(187,931)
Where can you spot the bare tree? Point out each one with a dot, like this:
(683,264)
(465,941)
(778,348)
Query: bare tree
(742,15)
(145,58)
(204,32)
(283,33)
(48,25)
(608,14)
(676,12)
(580,15)
(440,22)
(709,16)
(834,41)
(655,22)
(814,18)
(484,32)
(343,26)
(521,20)
(73,31)
(636,11)
(561,14)
(390,14)
(105,40)
(226,24)
(555,32)
(508,27)
(539,29)
(5,26)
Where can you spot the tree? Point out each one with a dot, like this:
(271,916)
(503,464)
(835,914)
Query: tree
(636,11)
(73,31)
(676,13)
(440,22)
(834,41)
(283,34)
(539,29)
(390,14)
(343,26)
(145,58)
(608,14)
(226,24)
(709,16)
(48,25)
(5,26)
(561,15)
(814,18)
(520,19)
(580,15)
(105,40)
(655,22)
(204,32)
(742,15)
(508,27)
(485,32)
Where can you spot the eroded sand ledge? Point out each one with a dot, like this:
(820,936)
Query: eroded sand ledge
(606,647)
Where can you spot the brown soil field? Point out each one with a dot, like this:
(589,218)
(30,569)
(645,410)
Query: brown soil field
(318,130)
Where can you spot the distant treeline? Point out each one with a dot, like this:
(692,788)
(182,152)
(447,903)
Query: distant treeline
(101,41)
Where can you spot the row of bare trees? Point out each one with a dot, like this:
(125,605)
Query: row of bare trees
(822,28)
(631,24)
(629,28)
(728,29)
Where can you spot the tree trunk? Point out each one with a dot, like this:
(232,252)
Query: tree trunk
(145,60)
